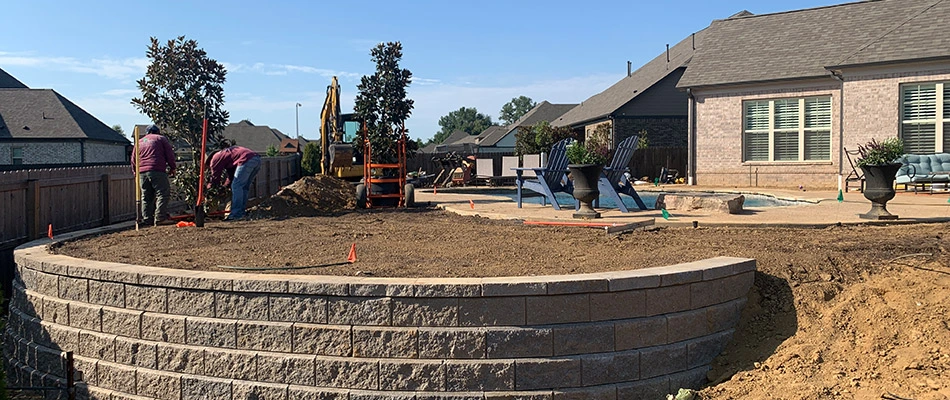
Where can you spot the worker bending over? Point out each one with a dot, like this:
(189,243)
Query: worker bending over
(241,165)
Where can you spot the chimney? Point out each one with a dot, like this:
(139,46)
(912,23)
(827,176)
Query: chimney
(629,68)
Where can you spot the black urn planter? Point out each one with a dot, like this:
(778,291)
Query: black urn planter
(879,189)
(585,188)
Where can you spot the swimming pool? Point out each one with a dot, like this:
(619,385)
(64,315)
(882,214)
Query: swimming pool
(649,198)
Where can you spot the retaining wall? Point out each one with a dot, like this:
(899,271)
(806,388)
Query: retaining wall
(142,332)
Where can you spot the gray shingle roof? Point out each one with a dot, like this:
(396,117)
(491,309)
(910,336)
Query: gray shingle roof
(602,104)
(921,36)
(543,111)
(254,137)
(491,136)
(43,113)
(459,137)
(9,82)
(800,44)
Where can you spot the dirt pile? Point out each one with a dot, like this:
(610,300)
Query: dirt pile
(880,333)
(310,196)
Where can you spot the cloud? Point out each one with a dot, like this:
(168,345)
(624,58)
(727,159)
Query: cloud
(122,69)
(122,93)
(285,69)
(424,81)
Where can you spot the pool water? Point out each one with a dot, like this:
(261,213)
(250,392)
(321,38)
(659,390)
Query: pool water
(649,198)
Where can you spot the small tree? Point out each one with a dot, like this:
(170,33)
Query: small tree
(515,109)
(118,129)
(383,103)
(271,151)
(310,162)
(180,82)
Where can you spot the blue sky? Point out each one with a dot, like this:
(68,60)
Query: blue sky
(462,54)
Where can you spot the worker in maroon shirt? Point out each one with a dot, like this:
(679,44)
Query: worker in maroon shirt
(155,158)
(241,165)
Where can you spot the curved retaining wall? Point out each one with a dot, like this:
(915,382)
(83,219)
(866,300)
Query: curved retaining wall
(142,332)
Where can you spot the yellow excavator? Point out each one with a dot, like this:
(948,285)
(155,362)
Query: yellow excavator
(336,156)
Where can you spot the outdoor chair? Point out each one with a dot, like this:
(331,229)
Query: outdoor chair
(614,181)
(856,176)
(549,180)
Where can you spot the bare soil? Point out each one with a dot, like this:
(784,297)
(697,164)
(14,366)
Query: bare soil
(843,312)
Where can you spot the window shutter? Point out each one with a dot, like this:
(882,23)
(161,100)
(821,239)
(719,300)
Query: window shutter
(919,138)
(786,114)
(786,146)
(920,102)
(818,112)
(756,115)
(818,146)
(757,146)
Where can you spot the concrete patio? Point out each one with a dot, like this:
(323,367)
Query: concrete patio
(822,208)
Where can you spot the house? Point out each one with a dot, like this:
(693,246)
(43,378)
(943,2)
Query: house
(459,141)
(41,128)
(775,99)
(501,139)
(260,137)
(645,100)
(246,134)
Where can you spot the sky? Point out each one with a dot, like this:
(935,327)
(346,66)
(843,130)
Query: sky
(477,54)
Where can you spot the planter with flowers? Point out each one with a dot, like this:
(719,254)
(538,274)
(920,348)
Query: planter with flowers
(586,162)
(879,161)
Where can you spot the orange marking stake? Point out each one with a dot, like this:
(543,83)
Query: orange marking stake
(49,232)
(435,189)
(182,224)
(471,203)
(351,258)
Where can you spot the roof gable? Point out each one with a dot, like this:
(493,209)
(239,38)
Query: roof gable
(800,44)
(457,136)
(543,111)
(43,113)
(7,81)
(922,36)
(604,103)
(491,136)
(255,137)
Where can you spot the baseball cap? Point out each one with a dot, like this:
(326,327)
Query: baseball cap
(152,129)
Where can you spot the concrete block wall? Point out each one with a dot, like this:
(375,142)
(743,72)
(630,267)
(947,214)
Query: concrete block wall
(142,332)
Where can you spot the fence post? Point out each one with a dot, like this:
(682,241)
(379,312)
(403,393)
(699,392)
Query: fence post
(33,209)
(70,378)
(106,184)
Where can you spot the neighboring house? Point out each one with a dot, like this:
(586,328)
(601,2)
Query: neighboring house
(645,100)
(776,98)
(246,134)
(41,128)
(459,141)
(258,137)
(502,139)
(493,140)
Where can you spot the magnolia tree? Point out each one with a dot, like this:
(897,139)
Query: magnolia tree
(383,103)
(181,82)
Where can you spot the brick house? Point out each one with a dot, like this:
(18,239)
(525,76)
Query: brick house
(644,100)
(40,128)
(775,99)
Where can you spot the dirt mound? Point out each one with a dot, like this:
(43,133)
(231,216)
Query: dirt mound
(310,196)
(883,333)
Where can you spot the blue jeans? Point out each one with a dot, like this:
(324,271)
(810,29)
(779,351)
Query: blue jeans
(243,176)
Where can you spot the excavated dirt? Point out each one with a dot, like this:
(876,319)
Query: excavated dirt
(843,312)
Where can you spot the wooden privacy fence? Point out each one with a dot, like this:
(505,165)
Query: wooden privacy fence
(71,199)
(645,162)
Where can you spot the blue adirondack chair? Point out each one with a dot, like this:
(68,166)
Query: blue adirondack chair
(613,182)
(550,179)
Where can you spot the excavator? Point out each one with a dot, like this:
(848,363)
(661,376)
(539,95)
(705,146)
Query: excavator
(337,159)
(336,156)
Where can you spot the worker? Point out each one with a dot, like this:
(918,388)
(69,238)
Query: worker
(156,157)
(241,165)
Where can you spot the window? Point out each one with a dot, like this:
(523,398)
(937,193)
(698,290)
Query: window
(16,156)
(925,117)
(787,129)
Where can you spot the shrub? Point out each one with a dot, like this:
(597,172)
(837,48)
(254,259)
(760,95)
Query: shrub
(877,153)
